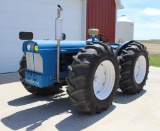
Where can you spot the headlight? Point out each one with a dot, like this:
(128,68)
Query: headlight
(36,48)
(29,47)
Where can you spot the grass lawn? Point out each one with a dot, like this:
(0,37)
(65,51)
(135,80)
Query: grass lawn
(154,60)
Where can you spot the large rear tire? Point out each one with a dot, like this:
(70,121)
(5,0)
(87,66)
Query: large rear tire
(32,89)
(93,78)
(134,62)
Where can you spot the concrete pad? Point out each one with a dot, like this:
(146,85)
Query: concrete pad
(20,110)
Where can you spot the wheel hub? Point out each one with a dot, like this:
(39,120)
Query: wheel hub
(104,80)
(140,69)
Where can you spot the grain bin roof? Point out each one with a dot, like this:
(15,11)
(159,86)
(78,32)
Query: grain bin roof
(124,19)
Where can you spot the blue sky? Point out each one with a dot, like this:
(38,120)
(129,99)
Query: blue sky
(146,17)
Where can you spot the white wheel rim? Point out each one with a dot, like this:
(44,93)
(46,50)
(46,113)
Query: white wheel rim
(140,69)
(104,80)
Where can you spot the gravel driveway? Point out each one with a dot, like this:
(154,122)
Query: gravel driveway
(153,48)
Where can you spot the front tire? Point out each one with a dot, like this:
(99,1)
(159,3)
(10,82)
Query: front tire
(93,78)
(134,62)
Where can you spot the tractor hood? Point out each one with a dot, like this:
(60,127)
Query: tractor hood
(28,46)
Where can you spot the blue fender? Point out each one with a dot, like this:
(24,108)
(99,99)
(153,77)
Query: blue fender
(124,45)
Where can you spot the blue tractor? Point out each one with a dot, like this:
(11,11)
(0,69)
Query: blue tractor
(93,69)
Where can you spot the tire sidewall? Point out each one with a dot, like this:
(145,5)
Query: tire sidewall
(143,53)
(114,61)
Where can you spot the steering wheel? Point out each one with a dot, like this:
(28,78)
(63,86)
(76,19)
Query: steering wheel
(102,37)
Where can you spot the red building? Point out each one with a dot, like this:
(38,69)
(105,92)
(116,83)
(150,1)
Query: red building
(101,14)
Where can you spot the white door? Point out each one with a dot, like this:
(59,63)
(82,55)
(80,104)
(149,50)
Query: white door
(37,16)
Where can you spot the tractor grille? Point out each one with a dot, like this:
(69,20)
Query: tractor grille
(38,63)
(30,62)
(34,62)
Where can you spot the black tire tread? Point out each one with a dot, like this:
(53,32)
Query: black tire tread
(127,63)
(79,76)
